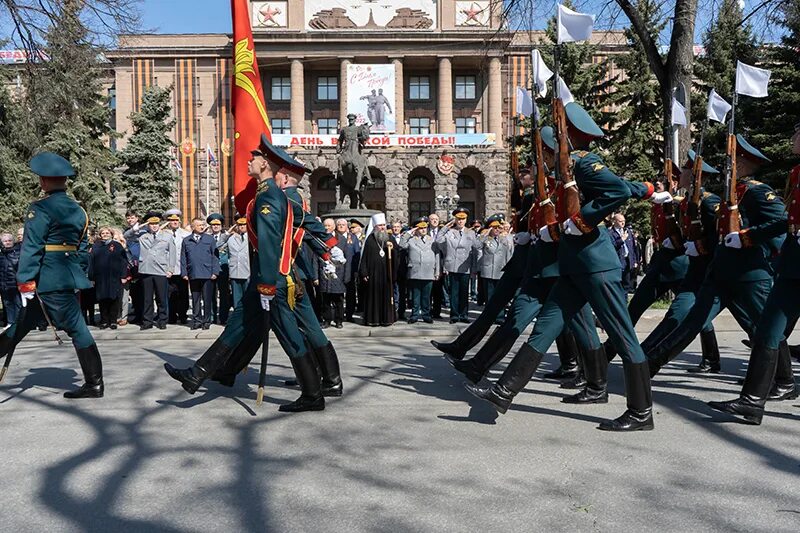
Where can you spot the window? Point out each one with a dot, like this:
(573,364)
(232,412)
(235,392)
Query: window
(323,208)
(378,182)
(281,125)
(419,182)
(419,126)
(328,126)
(419,209)
(328,88)
(465,87)
(465,125)
(326,183)
(465,182)
(419,88)
(281,88)
(469,206)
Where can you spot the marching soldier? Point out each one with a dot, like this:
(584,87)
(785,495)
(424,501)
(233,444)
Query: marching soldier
(158,257)
(494,253)
(52,268)
(589,272)
(740,274)
(776,322)
(423,269)
(459,249)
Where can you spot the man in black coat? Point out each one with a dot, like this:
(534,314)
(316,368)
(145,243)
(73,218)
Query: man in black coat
(9,261)
(200,267)
(624,243)
(108,270)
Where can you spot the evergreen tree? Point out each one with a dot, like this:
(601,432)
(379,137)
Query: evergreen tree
(18,186)
(148,178)
(71,113)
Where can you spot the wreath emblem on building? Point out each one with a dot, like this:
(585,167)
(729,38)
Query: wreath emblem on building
(188,147)
(225,147)
(445,163)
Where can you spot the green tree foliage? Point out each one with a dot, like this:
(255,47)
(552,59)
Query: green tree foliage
(71,114)
(147,178)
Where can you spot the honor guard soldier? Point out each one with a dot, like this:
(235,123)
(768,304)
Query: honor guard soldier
(52,267)
(272,287)
(589,272)
(459,248)
(776,322)
(741,271)
(158,257)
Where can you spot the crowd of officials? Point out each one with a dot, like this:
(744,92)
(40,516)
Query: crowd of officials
(154,271)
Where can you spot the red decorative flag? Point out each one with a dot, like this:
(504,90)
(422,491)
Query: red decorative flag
(250,118)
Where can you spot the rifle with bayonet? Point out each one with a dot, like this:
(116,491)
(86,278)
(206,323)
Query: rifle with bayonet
(570,202)
(728,221)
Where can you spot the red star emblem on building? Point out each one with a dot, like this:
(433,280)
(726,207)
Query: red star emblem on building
(472,13)
(268,14)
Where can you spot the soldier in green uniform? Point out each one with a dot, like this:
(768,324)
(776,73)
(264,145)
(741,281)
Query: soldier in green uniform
(273,286)
(740,274)
(52,268)
(589,272)
(776,323)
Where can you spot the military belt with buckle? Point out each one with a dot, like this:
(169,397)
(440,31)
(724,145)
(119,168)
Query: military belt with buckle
(60,248)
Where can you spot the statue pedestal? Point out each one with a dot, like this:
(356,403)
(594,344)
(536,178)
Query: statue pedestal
(362,215)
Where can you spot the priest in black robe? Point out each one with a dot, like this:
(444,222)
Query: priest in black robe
(378,271)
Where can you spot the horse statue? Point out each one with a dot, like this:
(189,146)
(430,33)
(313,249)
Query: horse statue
(353,176)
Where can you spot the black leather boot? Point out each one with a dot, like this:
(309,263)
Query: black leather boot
(710,362)
(329,370)
(595,366)
(513,380)
(449,348)
(611,351)
(191,378)
(794,351)
(568,356)
(492,352)
(783,388)
(749,406)
(92,367)
(639,415)
(311,398)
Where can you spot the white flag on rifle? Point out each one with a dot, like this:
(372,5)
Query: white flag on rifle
(751,81)
(563,91)
(541,74)
(573,26)
(678,113)
(717,107)
(524,102)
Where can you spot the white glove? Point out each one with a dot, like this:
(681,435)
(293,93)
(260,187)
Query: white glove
(733,240)
(534,237)
(691,249)
(570,228)
(265,298)
(662,197)
(522,238)
(668,243)
(798,236)
(544,234)
(26,296)
(337,256)
(329,270)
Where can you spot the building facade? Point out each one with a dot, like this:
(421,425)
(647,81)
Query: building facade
(435,79)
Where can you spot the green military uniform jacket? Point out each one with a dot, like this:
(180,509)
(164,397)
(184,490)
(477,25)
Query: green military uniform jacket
(309,231)
(520,263)
(603,193)
(270,230)
(763,220)
(55,250)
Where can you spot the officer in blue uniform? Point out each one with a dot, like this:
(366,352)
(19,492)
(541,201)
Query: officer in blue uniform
(52,268)
(589,273)
(273,286)
(740,274)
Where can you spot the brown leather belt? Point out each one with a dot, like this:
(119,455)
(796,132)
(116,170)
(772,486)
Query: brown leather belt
(60,248)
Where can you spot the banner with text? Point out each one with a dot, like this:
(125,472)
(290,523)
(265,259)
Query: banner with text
(370,96)
(443,139)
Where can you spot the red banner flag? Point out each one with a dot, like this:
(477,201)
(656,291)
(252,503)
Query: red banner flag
(250,118)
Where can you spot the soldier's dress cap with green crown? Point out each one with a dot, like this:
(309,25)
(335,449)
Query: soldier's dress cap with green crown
(50,165)
(581,121)
(751,150)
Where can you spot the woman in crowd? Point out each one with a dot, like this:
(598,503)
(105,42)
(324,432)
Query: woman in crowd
(108,268)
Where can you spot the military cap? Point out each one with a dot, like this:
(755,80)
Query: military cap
(152,217)
(548,138)
(707,169)
(279,156)
(215,218)
(173,214)
(50,165)
(461,212)
(355,222)
(496,220)
(240,219)
(351,115)
(421,222)
(581,121)
(751,151)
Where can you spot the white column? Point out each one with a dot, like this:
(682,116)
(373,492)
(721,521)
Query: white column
(343,91)
(297,106)
(496,100)
(399,94)
(445,112)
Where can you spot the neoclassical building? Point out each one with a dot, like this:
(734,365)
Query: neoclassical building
(435,79)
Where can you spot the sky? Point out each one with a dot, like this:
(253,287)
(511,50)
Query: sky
(187,16)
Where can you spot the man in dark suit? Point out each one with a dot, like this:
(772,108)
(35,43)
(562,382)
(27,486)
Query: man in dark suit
(200,267)
(627,251)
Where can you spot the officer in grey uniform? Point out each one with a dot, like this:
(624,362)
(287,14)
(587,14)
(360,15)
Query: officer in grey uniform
(423,269)
(158,257)
(178,287)
(495,251)
(459,248)
(238,259)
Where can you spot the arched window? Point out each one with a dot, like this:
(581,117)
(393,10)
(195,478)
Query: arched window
(326,183)
(465,182)
(420,182)
(378,182)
